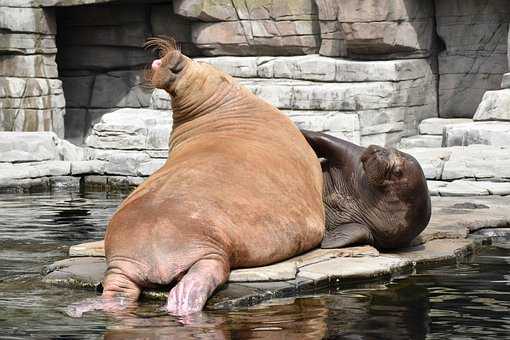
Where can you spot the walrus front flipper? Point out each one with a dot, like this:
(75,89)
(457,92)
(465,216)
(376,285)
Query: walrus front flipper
(346,234)
(329,147)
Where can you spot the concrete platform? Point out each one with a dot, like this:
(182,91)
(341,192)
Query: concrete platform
(446,238)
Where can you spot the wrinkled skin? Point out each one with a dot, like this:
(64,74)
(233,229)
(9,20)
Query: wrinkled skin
(241,188)
(372,195)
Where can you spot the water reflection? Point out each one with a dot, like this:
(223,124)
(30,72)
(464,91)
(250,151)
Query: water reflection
(466,300)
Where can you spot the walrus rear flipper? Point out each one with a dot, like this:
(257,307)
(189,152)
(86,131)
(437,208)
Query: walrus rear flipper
(347,234)
(119,293)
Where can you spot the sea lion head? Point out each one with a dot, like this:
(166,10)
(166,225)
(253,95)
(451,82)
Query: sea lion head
(397,182)
(169,67)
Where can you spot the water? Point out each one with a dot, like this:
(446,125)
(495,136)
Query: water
(468,300)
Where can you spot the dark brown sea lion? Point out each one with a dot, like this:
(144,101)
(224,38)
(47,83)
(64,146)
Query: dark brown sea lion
(372,195)
(241,188)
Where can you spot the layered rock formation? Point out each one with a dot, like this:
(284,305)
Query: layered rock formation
(385,65)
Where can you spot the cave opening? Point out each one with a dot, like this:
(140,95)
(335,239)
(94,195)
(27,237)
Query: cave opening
(101,58)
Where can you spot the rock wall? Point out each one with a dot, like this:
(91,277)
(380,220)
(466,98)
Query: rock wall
(475,35)
(401,60)
(31,96)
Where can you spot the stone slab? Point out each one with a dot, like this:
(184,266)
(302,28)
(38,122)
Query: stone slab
(437,251)
(276,272)
(435,126)
(487,133)
(350,269)
(495,105)
(93,249)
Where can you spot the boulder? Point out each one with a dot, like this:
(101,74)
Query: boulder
(132,129)
(488,133)
(495,105)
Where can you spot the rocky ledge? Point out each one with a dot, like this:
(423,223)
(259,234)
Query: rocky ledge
(324,270)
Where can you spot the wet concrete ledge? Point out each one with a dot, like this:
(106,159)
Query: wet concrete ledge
(459,226)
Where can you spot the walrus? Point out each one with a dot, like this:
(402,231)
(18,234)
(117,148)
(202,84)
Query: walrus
(372,195)
(241,187)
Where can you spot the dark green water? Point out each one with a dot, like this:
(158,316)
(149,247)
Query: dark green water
(468,300)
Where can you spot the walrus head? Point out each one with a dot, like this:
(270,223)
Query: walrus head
(397,180)
(169,67)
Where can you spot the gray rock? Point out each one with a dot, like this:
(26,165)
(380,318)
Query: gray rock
(375,30)
(29,20)
(93,249)
(505,82)
(426,141)
(120,89)
(305,95)
(475,56)
(362,268)
(121,162)
(205,10)
(64,183)
(160,100)
(130,34)
(27,43)
(102,58)
(432,160)
(435,186)
(437,251)
(132,129)
(32,120)
(477,161)
(78,90)
(28,146)
(257,37)
(11,174)
(322,69)
(488,133)
(495,105)
(38,65)
(435,126)
(80,272)
(11,87)
(87,167)
(462,188)
(276,272)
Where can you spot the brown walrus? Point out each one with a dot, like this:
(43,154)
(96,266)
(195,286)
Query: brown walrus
(241,188)
(372,195)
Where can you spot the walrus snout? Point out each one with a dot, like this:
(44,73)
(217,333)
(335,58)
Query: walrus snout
(156,64)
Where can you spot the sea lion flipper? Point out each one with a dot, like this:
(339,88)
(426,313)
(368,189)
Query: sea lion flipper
(346,234)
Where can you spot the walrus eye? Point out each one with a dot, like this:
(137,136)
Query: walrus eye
(397,173)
